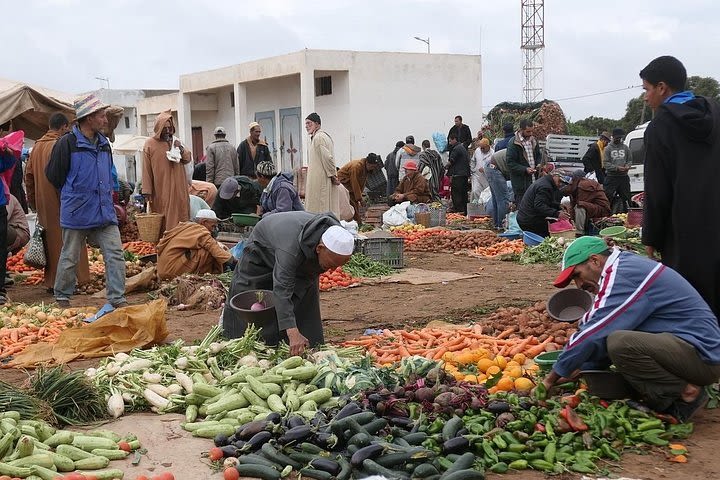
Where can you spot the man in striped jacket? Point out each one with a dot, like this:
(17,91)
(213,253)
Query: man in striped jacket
(646,320)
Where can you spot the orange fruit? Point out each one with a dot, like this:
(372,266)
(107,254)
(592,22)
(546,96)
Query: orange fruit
(513,371)
(505,384)
(484,363)
(471,378)
(523,384)
(520,358)
(492,370)
(501,362)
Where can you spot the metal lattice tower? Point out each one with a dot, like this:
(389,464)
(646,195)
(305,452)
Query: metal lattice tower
(532,45)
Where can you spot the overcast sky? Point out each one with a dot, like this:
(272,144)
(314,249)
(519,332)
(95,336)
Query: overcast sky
(591,46)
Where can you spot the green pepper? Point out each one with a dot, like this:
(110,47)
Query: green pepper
(540,392)
(633,413)
(681,430)
(509,438)
(567,438)
(562,457)
(649,425)
(514,425)
(543,465)
(488,451)
(475,428)
(549,430)
(499,467)
(609,452)
(654,440)
(533,455)
(519,465)
(550,452)
(582,467)
(436,426)
(499,442)
(541,443)
(517,447)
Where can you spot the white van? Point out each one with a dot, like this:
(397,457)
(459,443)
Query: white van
(635,142)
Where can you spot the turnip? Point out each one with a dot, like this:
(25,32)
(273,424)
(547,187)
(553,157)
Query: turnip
(259,304)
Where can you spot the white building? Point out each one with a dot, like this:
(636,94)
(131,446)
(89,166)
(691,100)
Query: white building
(367,101)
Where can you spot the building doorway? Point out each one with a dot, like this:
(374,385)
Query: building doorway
(267,122)
(197,143)
(290,138)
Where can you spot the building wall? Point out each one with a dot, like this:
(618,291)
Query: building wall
(334,111)
(225,114)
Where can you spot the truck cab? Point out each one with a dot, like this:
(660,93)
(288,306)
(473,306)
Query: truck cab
(635,141)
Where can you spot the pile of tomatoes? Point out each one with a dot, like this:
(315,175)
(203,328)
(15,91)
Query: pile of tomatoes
(336,278)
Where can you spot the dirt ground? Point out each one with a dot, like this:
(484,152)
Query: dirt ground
(348,313)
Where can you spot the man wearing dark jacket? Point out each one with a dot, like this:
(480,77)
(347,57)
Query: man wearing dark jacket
(252,151)
(461,131)
(593,158)
(523,159)
(221,159)
(682,167)
(509,133)
(393,173)
(542,200)
(279,194)
(238,194)
(459,172)
(286,253)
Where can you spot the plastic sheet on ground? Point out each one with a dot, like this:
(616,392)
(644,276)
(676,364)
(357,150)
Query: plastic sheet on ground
(122,330)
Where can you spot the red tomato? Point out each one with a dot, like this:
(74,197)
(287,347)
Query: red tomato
(231,473)
(124,446)
(215,454)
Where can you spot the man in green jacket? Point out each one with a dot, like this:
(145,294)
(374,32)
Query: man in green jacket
(523,159)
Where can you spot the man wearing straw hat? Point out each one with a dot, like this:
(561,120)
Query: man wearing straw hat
(81,169)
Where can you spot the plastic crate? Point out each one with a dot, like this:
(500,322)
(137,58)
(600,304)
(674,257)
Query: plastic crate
(438,216)
(358,245)
(385,250)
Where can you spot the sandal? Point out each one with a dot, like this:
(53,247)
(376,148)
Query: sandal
(107,308)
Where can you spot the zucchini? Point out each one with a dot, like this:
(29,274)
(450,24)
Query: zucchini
(104,434)
(272,378)
(227,403)
(44,473)
(110,454)
(11,414)
(110,474)
(275,456)
(276,404)
(316,474)
(321,395)
(258,387)
(94,463)
(60,437)
(273,388)
(29,430)
(300,373)
(290,362)
(88,443)
(292,401)
(205,390)
(212,431)
(371,467)
(6,443)
(191,427)
(257,471)
(73,453)
(241,375)
(63,463)
(191,413)
(253,397)
(20,472)
(309,406)
(467,474)
(40,459)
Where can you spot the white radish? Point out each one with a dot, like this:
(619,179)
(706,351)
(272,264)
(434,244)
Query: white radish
(152,377)
(136,365)
(91,372)
(181,362)
(155,400)
(116,405)
(128,397)
(209,378)
(112,369)
(217,347)
(161,390)
(248,361)
(264,364)
(121,357)
(184,381)
(175,389)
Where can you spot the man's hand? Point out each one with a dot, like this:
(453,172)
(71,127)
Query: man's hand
(399,197)
(259,210)
(298,343)
(530,171)
(335,181)
(177,143)
(651,253)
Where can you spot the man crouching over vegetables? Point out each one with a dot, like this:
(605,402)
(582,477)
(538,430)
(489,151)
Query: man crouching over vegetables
(286,253)
(646,320)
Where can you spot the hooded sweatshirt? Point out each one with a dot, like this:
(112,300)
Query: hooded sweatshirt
(280,196)
(406,154)
(682,168)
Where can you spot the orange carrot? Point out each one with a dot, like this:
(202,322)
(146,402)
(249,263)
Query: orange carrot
(538,349)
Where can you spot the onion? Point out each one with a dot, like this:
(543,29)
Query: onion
(257,306)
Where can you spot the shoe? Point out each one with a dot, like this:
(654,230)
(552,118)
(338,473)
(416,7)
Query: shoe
(121,305)
(107,308)
(63,303)
(684,411)
(50,290)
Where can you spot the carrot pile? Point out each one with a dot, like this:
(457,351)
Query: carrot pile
(505,247)
(36,278)
(442,240)
(139,248)
(336,278)
(24,325)
(453,217)
(432,343)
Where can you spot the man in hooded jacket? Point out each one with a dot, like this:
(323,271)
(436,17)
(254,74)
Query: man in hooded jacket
(682,167)
(409,153)
(164,182)
(286,253)
(279,194)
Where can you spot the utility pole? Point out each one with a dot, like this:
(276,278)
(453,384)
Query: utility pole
(532,45)
(104,79)
(425,41)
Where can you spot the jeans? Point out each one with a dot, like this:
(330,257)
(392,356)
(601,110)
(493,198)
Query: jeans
(621,185)
(500,198)
(658,365)
(459,193)
(108,238)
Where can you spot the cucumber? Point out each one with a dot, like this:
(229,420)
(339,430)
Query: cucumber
(258,387)
(95,463)
(361,439)
(451,428)
(467,474)
(425,470)
(372,467)
(257,471)
(110,474)
(272,454)
(254,459)
(316,474)
(73,453)
(464,462)
(392,460)
(415,438)
(110,454)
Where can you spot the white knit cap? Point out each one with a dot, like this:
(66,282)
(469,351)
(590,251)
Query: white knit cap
(206,213)
(338,240)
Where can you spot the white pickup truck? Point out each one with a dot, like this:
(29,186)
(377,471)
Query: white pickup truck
(567,151)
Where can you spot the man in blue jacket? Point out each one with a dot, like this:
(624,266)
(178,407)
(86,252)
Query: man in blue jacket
(279,194)
(646,320)
(80,168)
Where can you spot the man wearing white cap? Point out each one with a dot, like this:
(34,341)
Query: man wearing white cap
(252,151)
(191,248)
(286,253)
(80,168)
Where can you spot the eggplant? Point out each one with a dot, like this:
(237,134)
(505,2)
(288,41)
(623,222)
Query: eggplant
(456,445)
(326,465)
(252,428)
(274,417)
(295,421)
(372,398)
(239,444)
(257,441)
(221,440)
(371,451)
(497,407)
(318,420)
(229,451)
(350,409)
(401,421)
(326,440)
(462,431)
(295,435)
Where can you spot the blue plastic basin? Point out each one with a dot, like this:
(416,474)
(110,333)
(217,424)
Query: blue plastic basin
(532,239)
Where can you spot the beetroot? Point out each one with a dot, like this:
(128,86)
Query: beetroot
(425,394)
(259,304)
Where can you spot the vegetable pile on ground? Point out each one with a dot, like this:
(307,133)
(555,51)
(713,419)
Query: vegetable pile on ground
(517,322)
(505,247)
(23,325)
(455,217)
(391,346)
(406,228)
(140,248)
(630,241)
(16,263)
(550,251)
(336,278)
(442,240)
(203,292)
(361,266)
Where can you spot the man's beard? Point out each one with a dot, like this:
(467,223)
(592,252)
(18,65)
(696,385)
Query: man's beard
(166,135)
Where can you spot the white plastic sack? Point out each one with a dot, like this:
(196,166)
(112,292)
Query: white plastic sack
(396,215)
(351,227)
(485,196)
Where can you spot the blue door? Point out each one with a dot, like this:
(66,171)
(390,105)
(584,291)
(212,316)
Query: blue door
(290,139)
